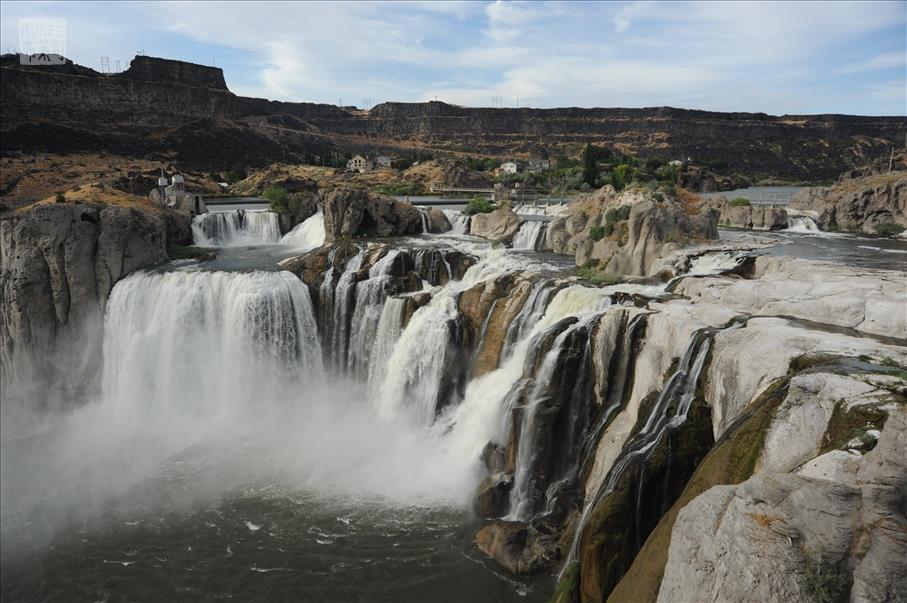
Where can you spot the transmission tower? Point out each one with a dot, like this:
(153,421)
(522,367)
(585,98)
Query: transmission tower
(105,64)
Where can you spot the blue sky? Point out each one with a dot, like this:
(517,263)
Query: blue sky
(811,57)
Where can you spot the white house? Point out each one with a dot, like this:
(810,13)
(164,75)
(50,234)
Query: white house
(383,161)
(359,164)
(509,167)
(173,194)
(676,163)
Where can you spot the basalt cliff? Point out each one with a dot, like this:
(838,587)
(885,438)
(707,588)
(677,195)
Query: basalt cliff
(163,108)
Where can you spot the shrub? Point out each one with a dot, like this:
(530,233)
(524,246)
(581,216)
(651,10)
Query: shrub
(235,175)
(617,214)
(592,271)
(889,229)
(597,233)
(60,198)
(479,205)
(622,176)
(278,197)
(608,229)
(824,579)
(740,202)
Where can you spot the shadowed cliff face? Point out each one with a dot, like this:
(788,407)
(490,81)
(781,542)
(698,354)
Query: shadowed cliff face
(72,108)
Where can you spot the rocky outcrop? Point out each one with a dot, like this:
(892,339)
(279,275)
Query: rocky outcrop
(815,534)
(630,233)
(500,225)
(749,217)
(59,264)
(858,204)
(701,180)
(357,213)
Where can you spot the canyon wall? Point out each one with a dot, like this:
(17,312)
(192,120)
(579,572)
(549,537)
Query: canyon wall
(159,106)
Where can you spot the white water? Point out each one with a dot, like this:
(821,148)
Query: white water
(234,228)
(802,224)
(459,222)
(306,235)
(531,235)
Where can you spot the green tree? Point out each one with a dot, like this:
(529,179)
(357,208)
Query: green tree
(622,176)
(278,197)
(590,166)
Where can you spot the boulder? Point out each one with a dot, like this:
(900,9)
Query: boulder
(437,221)
(500,225)
(351,213)
(492,498)
(518,547)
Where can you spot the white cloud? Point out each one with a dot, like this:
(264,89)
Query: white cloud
(885,60)
(771,57)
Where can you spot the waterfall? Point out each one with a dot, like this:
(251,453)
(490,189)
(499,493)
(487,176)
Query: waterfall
(531,235)
(423,215)
(390,326)
(369,303)
(341,297)
(306,235)
(237,227)
(413,379)
(167,333)
(667,413)
(522,502)
(801,223)
(459,221)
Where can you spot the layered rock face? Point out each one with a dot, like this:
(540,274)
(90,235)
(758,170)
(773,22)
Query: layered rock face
(858,204)
(76,109)
(749,217)
(59,264)
(350,212)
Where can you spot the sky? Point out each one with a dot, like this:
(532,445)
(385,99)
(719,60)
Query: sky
(773,57)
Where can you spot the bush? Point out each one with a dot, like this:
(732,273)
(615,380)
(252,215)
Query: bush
(608,229)
(593,272)
(60,198)
(278,197)
(622,176)
(617,214)
(889,229)
(740,202)
(479,205)
(235,175)
(597,233)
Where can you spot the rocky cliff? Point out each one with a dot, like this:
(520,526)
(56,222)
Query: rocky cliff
(160,106)
(60,262)
(861,201)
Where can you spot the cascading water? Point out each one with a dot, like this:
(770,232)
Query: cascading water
(531,235)
(370,297)
(459,222)
(802,224)
(306,235)
(667,413)
(237,227)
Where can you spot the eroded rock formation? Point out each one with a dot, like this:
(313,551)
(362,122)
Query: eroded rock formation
(351,212)
(60,262)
